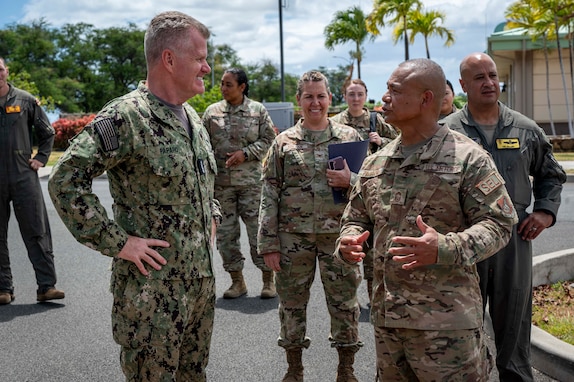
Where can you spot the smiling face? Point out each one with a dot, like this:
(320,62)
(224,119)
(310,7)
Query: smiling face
(314,100)
(231,91)
(479,80)
(191,65)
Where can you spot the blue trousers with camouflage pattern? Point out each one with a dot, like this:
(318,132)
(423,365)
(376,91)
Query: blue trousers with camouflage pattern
(300,255)
(432,355)
(164,327)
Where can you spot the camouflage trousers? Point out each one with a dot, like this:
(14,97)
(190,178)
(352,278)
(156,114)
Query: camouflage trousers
(164,327)
(432,355)
(238,202)
(368,265)
(300,255)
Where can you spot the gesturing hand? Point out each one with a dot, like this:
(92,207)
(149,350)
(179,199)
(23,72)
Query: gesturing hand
(351,247)
(417,251)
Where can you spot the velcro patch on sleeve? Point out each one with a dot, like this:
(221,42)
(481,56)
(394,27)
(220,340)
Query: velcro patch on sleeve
(490,183)
(505,206)
(107,131)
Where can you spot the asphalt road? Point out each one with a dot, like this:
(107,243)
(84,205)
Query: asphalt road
(70,340)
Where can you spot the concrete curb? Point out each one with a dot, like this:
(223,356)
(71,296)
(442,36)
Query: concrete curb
(550,355)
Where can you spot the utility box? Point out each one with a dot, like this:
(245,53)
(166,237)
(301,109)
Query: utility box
(282,114)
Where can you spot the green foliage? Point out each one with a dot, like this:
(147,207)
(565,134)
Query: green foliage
(23,81)
(336,79)
(348,26)
(201,101)
(460,100)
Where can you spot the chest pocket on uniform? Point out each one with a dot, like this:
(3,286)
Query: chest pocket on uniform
(296,171)
(169,172)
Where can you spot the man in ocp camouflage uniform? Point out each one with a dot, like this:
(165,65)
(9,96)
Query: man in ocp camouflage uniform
(436,205)
(161,172)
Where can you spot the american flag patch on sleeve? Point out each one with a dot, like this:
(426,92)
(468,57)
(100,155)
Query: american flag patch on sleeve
(108,134)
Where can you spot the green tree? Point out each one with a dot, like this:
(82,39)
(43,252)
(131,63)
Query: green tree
(348,26)
(201,101)
(396,11)
(542,19)
(121,61)
(337,79)
(221,57)
(29,51)
(526,14)
(75,64)
(426,23)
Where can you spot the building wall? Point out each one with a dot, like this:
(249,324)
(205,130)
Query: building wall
(554,88)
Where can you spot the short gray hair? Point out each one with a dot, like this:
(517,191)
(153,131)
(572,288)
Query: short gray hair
(169,30)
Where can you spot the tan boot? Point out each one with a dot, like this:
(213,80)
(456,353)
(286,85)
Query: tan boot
(295,370)
(238,287)
(345,369)
(268,290)
(6,298)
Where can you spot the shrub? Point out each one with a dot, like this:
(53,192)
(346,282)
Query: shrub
(67,128)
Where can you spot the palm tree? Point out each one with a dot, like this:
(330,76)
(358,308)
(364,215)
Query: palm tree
(348,26)
(545,17)
(426,23)
(527,15)
(397,11)
(558,8)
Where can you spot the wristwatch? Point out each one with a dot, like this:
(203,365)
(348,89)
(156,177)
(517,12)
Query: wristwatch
(245,154)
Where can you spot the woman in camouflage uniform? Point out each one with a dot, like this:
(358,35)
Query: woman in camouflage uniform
(241,132)
(298,227)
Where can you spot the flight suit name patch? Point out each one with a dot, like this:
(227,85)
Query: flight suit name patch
(507,143)
(13,109)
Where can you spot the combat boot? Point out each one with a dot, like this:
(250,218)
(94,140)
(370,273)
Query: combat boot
(268,290)
(238,287)
(345,369)
(295,370)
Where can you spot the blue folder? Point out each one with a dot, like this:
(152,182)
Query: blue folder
(354,153)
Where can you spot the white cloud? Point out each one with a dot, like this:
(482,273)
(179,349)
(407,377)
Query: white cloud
(251,27)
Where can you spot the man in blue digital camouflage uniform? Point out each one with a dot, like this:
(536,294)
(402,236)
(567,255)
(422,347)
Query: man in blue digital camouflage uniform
(161,172)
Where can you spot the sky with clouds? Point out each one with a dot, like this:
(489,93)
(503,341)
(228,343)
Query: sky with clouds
(251,27)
